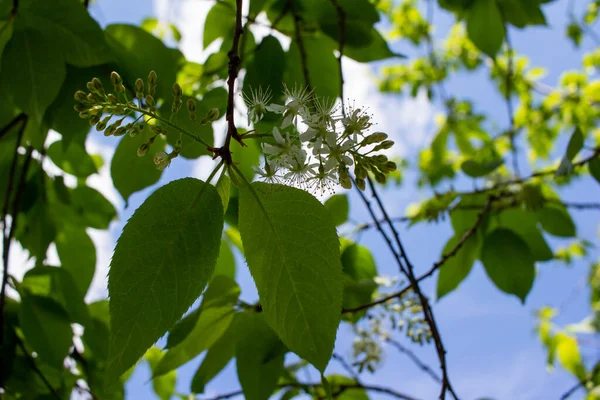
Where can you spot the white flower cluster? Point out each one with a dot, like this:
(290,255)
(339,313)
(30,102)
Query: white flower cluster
(313,147)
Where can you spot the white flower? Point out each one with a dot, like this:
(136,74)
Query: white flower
(356,122)
(257,102)
(282,145)
(322,180)
(336,153)
(269,173)
(297,103)
(162,160)
(323,117)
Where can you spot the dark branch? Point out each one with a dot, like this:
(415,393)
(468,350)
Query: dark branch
(300,42)
(19,118)
(414,359)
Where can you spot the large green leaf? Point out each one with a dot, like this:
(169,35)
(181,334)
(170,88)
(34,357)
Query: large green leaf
(77,254)
(292,251)
(73,159)
(259,356)
(92,207)
(47,328)
(220,22)
(217,357)
(131,173)
(162,262)
(359,270)
(485,26)
(164,386)
(508,262)
(556,221)
(457,267)
(266,68)
(68,23)
(33,71)
(6,30)
(594,168)
(339,208)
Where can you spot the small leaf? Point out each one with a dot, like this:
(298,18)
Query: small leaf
(594,168)
(73,160)
(457,267)
(162,262)
(93,209)
(475,169)
(77,254)
(508,262)
(556,221)
(568,354)
(574,146)
(524,224)
(47,328)
(217,357)
(164,386)
(485,27)
(220,22)
(223,187)
(292,251)
(359,270)
(259,357)
(338,208)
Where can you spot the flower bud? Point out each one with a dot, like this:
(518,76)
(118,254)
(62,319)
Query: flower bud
(177,90)
(213,115)
(360,172)
(380,159)
(379,177)
(115,78)
(158,130)
(191,105)
(391,166)
(139,87)
(94,120)
(91,98)
(177,103)
(360,183)
(80,96)
(384,145)
(98,86)
(120,131)
(112,99)
(85,114)
(346,182)
(91,87)
(150,100)
(102,124)
(110,130)
(152,78)
(80,107)
(134,130)
(143,149)
(161,160)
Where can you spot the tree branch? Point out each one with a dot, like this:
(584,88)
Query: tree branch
(342,40)
(414,359)
(300,42)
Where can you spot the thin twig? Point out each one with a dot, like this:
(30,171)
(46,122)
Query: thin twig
(414,359)
(300,43)
(345,365)
(19,118)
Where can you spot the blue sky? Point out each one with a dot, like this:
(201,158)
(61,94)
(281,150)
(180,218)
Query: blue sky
(492,348)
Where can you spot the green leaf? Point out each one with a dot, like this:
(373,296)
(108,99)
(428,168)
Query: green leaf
(359,270)
(6,31)
(138,52)
(568,354)
(210,326)
(217,358)
(223,187)
(37,236)
(508,262)
(524,224)
(92,207)
(457,267)
(259,356)
(47,328)
(292,250)
(131,173)
(77,254)
(247,157)
(68,23)
(321,64)
(523,13)
(225,262)
(377,49)
(476,169)
(485,26)
(574,146)
(164,386)
(73,160)
(338,208)
(594,168)
(162,262)
(556,221)
(266,68)
(33,71)
(220,22)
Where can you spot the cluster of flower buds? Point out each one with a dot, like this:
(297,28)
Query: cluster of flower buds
(108,112)
(314,147)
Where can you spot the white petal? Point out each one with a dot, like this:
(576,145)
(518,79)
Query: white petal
(308,135)
(269,149)
(277,135)
(287,121)
(276,108)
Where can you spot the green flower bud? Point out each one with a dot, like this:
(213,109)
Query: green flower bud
(162,160)
(91,98)
(143,149)
(151,90)
(152,78)
(139,86)
(380,159)
(360,183)
(360,172)
(120,131)
(85,114)
(379,137)
(110,130)
(193,115)
(120,88)
(384,145)
(213,115)
(112,99)
(134,130)
(115,78)
(118,111)
(80,107)
(150,100)
(346,182)
(98,86)
(91,87)
(191,105)
(94,120)
(177,103)
(158,130)
(102,124)
(391,166)
(80,96)
(379,177)
(131,104)
(177,90)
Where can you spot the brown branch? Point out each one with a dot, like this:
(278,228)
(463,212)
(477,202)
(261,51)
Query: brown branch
(300,42)
(427,311)
(233,71)
(342,40)
(414,359)
(19,118)
(8,233)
